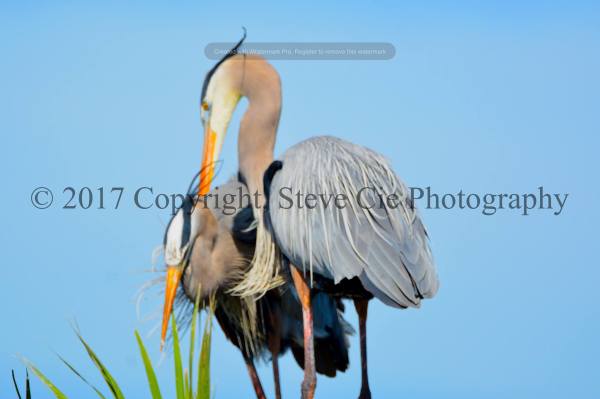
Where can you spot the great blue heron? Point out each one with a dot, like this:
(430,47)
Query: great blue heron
(215,244)
(380,250)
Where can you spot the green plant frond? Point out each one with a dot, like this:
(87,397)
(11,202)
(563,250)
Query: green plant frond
(186,386)
(57,392)
(192,342)
(81,376)
(184,377)
(204,362)
(177,360)
(152,382)
(108,378)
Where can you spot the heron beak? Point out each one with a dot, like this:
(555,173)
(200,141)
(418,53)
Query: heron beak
(173,278)
(215,129)
(209,156)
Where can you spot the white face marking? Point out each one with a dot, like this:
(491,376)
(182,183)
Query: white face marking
(178,241)
(174,248)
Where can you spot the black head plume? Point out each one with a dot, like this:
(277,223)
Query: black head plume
(210,73)
(193,187)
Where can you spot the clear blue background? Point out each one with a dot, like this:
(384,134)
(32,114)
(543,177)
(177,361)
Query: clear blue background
(485,98)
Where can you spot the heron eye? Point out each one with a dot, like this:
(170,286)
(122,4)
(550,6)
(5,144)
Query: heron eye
(204,109)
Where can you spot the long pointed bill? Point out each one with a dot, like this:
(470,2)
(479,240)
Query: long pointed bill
(173,278)
(223,105)
(209,155)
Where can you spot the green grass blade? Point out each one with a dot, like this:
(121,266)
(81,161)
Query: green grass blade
(204,362)
(108,378)
(177,360)
(81,376)
(152,382)
(186,386)
(190,391)
(57,392)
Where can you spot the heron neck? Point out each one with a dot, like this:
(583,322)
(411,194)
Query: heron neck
(257,136)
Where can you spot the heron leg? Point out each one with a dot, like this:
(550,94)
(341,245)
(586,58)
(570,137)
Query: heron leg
(258,389)
(275,347)
(361,306)
(309,384)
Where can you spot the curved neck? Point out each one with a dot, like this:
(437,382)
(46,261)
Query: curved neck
(258,128)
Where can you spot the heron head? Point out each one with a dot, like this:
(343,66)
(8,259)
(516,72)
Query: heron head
(221,92)
(206,247)
(179,237)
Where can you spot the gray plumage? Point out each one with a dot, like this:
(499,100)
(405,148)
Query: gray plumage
(386,247)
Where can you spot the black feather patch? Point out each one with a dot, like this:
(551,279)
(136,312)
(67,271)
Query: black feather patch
(243,229)
(242,178)
(192,189)
(268,177)
(187,207)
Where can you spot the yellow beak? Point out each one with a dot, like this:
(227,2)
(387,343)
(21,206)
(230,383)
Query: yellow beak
(207,169)
(173,278)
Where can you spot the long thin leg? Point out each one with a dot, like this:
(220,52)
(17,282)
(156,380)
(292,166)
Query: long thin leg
(275,347)
(310,378)
(361,306)
(258,389)
(276,376)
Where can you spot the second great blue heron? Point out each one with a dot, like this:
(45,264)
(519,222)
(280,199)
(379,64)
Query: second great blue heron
(214,245)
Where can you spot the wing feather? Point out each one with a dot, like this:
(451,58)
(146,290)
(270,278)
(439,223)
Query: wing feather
(383,244)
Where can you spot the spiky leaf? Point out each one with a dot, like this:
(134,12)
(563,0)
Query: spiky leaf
(177,361)
(190,391)
(204,362)
(108,378)
(81,377)
(152,382)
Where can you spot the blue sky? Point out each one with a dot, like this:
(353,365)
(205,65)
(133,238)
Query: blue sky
(499,98)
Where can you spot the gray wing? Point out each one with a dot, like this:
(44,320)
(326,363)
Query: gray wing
(383,243)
